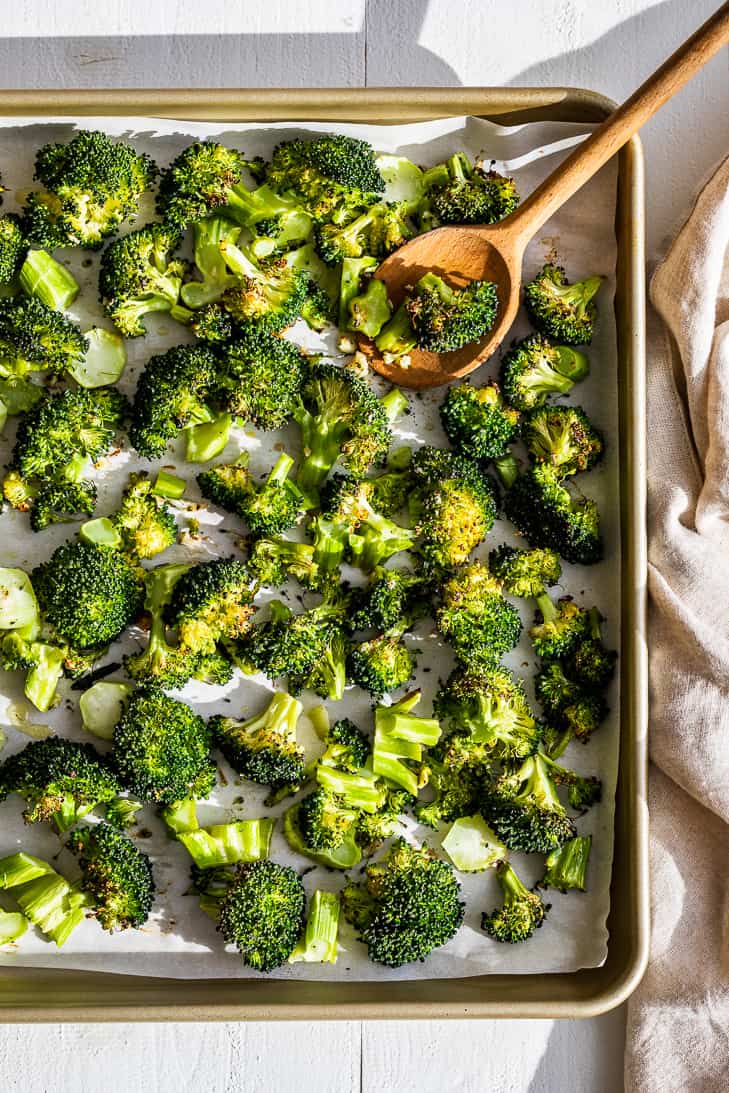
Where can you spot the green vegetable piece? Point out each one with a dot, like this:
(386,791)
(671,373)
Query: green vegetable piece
(42,276)
(319,943)
(370,310)
(472,846)
(205,442)
(12,926)
(353,270)
(100,532)
(565,867)
(104,360)
(101,707)
(399,739)
(227,844)
(18,605)
(169,485)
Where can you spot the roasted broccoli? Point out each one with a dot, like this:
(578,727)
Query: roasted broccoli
(269,508)
(560,310)
(266,295)
(559,629)
(459,192)
(87,593)
(349,525)
(60,780)
(211,603)
(260,378)
(492,708)
(562,437)
(322,827)
(144,522)
(407,905)
(525,810)
(116,874)
(525,573)
(292,645)
(521,913)
(590,663)
(139,274)
(376,232)
(544,511)
(262,913)
(162,748)
(171,395)
(216,278)
(263,748)
(333,176)
(534,369)
(566,867)
(13,247)
(318,944)
(475,618)
(582,791)
(455,506)
(199,181)
(273,561)
(477,422)
(44,897)
(444,318)
(36,338)
(458,770)
(400,736)
(92,185)
(368,311)
(383,663)
(389,596)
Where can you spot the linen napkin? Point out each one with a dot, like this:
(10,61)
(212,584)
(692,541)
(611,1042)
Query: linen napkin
(678,1018)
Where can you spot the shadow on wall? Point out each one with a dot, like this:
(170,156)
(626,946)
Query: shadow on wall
(288,59)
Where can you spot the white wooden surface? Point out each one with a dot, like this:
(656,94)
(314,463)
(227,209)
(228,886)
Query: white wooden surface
(609,46)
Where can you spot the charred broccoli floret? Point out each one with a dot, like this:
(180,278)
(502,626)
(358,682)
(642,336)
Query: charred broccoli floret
(171,395)
(292,645)
(525,573)
(544,511)
(268,295)
(350,522)
(162,748)
(459,767)
(477,422)
(60,780)
(211,603)
(145,524)
(91,186)
(445,319)
(200,181)
(534,369)
(475,618)
(559,629)
(566,867)
(525,810)
(382,664)
(560,310)
(521,913)
(562,437)
(263,748)
(389,596)
(260,379)
(139,274)
(455,506)
(590,663)
(87,593)
(376,232)
(35,338)
(13,247)
(492,708)
(339,416)
(273,561)
(322,827)
(263,913)
(269,508)
(116,874)
(407,905)
(333,176)
(459,192)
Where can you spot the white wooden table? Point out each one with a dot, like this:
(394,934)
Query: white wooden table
(609,46)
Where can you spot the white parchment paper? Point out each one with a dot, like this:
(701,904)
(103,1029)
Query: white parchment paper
(179,940)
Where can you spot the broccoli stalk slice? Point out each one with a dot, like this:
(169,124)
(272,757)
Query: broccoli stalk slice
(226,844)
(565,867)
(353,270)
(507,469)
(360,790)
(42,276)
(318,944)
(522,911)
(12,926)
(472,846)
(208,439)
(45,898)
(180,817)
(399,739)
(42,679)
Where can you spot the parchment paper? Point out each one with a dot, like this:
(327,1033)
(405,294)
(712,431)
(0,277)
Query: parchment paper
(179,940)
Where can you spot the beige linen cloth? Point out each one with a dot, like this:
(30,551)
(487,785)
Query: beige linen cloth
(678,1023)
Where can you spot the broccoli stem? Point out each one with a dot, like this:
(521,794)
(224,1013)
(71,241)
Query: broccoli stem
(181,817)
(18,605)
(168,485)
(394,404)
(595,620)
(101,532)
(42,679)
(319,943)
(359,790)
(573,366)
(507,469)
(351,278)
(547,608)
(397,337)
(42,276)
(12,926)
(227,844)
(566,866)
(206,441)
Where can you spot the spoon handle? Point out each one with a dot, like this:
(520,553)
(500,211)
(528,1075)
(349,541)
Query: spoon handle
(587,159)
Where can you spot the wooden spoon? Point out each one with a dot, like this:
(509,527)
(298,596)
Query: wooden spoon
(494,252)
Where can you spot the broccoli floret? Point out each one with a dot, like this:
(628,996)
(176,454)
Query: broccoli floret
(273,561)
(87,593)
(171,396)
(116,874)
(458,192)
(349,518)
(477,422)
(57,502)
(60,780)
(43,663)
(347,747)
(534,369)
(373,828)
(328,676)
(525,810)
(208,235)
(521,913)
(562,437)
(390,492)
(554,690)
(459,767)
(376,232)
(333,176)
(455,507)
(262,913)
(368,311)
(35,338)
(491,706)
(559,629)
(584,715)
(407,905)
(325,823)
(270,216)
(270,508)
(590,663)
(560,310)
(92,185)
(389,596)
(582,792)
(292,645)
(525,573)
(267,296)
(228,485)
(260,379)
(199,181)
(475,618)
(13,247)
(161,663)
(566,867)
(122,812)
(139,274)
(445,319)
(211,603)
(162,748)
(144,522)
(211,323)
(544,511)
(263,748)
(382,664)
(339,416)
(400,736)
(397,339)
